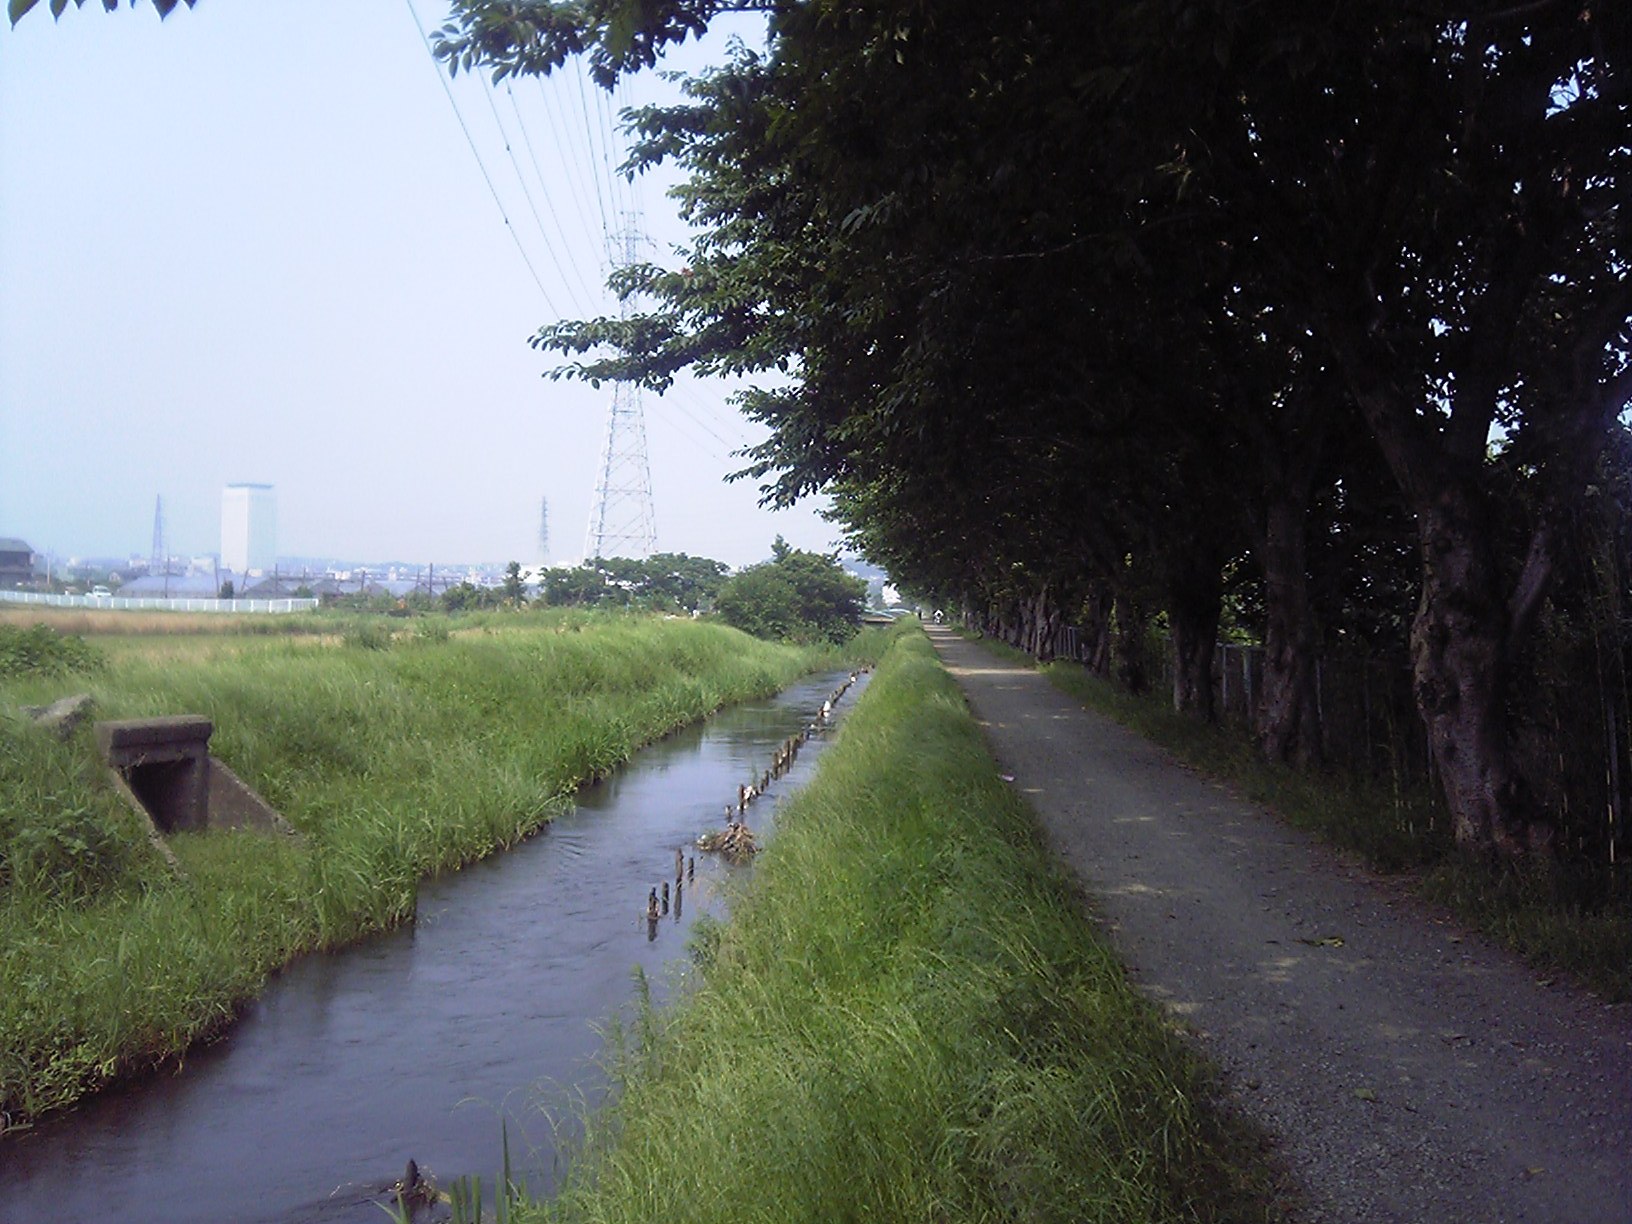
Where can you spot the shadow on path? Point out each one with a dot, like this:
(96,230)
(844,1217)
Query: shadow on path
(1411,1071)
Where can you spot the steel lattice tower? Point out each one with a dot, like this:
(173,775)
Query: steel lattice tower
(159,562)
(622,522)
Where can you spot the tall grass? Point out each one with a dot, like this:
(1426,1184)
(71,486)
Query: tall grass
(392,763)
(909,1017)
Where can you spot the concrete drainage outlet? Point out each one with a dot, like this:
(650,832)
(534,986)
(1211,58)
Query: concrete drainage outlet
(164,767)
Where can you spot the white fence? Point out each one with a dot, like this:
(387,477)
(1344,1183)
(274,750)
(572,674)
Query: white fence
(166,605)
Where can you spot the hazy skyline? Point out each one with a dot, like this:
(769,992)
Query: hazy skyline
(251,243)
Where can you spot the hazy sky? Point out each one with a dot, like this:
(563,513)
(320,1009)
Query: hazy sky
(252,243)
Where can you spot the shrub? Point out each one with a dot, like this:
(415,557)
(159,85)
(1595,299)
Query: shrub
(40,650)
(796,596)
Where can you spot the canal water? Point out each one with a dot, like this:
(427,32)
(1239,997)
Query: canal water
(482,1017)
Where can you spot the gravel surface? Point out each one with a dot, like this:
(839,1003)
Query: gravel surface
(1409,1070)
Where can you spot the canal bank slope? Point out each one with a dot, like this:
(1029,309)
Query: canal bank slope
(908,1017)
(1409,1070)
(395,756)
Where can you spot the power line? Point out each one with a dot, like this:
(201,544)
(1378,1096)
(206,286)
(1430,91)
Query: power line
(527,195)
(680,431)
(693,418)
(714,410)
(574,160)
(486,178)
(600,199)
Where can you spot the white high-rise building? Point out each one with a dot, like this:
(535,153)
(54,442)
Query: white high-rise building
(249,528)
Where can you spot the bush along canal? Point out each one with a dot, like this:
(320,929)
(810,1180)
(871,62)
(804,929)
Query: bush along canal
(437,1040)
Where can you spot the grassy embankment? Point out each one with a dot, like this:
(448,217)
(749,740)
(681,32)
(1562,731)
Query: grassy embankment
(1393,829)
(909,1017)
(394,759)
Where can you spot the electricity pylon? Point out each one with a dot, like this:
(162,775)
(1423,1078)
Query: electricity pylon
(159,561)
(622,521)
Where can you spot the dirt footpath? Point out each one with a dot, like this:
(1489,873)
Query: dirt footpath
(1411,1071)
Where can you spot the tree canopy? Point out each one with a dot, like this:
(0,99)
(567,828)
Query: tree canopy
(1312,316)
(795,596)
(17,9)
(663,581)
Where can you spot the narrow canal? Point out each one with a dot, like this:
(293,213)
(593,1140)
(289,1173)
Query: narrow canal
(483,1016)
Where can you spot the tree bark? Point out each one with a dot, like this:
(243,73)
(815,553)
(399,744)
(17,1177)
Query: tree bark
(1096,645)
(1046,626)
(1288,725)
(1460,669)
(1195,600)
(1195,636)
(1132,668)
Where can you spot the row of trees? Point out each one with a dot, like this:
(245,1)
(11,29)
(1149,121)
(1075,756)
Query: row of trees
(1315,313)
(794,596)
(665,582)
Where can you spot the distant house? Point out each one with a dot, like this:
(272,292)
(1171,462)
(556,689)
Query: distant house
(169,586)
(289,586)
(16,564)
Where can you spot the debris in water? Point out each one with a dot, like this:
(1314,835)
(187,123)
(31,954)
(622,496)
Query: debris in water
(416,1188)
(736,843)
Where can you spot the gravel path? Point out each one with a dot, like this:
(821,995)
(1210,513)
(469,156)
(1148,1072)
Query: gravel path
(1410,1071)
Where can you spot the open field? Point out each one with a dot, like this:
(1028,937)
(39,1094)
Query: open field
(394,757)
(107,621)
(910,1017)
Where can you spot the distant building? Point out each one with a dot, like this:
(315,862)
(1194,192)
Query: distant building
(249,529)
(16,564)
(169,586)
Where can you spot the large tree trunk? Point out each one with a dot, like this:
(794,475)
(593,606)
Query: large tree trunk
(1289,433)
(1025,630)
(1132,667)
(1194,602)
(1460,669)
(1096,630)
(1469,616)
(1046,627)
(1289,724)
(1195,637)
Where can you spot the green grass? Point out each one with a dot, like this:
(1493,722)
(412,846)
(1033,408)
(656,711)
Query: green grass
(1394,829)
(909,1017)
(393,760)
